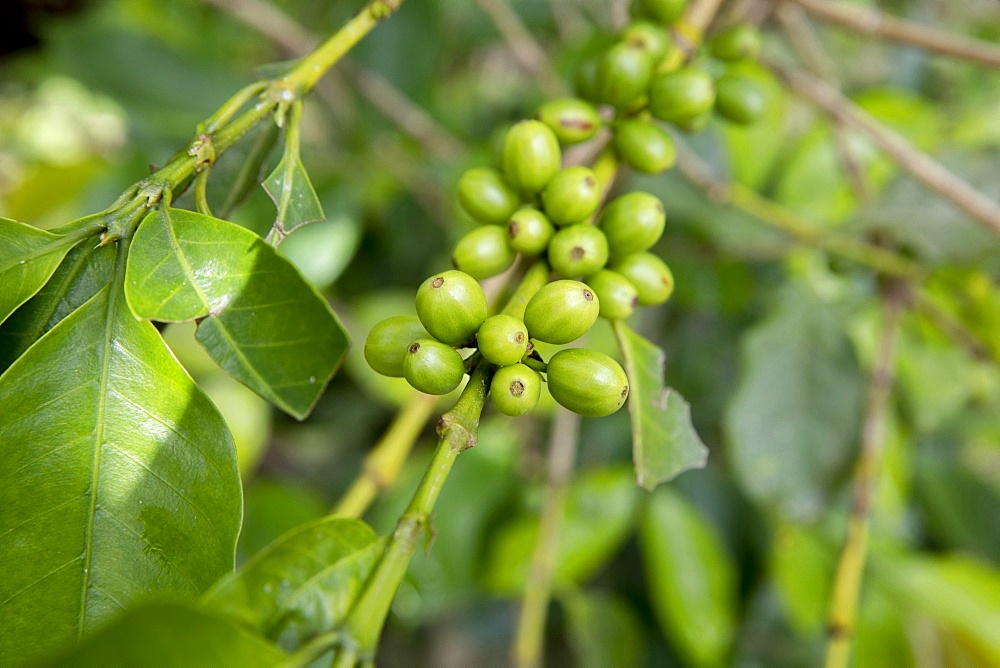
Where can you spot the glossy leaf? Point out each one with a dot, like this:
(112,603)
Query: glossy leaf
(958,593)
(692,579)
(172,634)
(603,630)
(85,270)
(293,194)
(664,442)
(600,513)
(262,322)
(118,478)
(303,583)
(793,420)
(28,256)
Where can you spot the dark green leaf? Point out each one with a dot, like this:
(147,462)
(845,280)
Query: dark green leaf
(262,322)
(172,634)
(28,256)
(599,516)
(293,194)
(302,584)
(118,478)
(664,442)
(692,578)
(793,421)
(603,630)
(84,271)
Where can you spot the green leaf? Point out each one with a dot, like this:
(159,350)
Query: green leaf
(692,578)
(792,422)
(293,194)
(664,442)
(28,256)
(802,568)
(118,478)
(600,513)
(302,584)
(84,271)
(172,634)
(262,322)
(603,630)
(958,593)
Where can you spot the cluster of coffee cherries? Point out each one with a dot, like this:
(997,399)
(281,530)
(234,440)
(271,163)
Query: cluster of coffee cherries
(452,316)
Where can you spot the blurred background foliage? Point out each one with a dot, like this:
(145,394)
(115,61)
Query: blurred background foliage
(773,342)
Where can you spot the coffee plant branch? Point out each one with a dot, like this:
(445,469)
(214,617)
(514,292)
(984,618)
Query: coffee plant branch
(873,22)
(847,581)
(524,47)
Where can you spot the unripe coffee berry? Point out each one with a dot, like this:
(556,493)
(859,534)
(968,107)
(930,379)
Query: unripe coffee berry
(652,278)
(451,306)
(385,346)
(503,339)
(623,74)
(578,250)
(737,42)
(571,119)
(571,195)
(585,80)
(617,295)
(632,222)
(664,11)
(432,367)
(681,95)
(562,311)
(529,231)
(587,382)
(483,252)
(739,98)
(515,389)
(486,196)
(645,146)
(650,37)
(530,156)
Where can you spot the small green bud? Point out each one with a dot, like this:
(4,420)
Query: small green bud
(483,252)
(451,306)
(485,196)
(515,389)
(503,340)
(530,156)
(571,119)
(571,195)
(578,250)
(645,146)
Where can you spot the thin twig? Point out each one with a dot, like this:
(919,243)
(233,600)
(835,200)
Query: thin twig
(529,643)
(696,171)
(847,582)
(951,327)
(806,43)
(522,44)
(873,22)
(920,165)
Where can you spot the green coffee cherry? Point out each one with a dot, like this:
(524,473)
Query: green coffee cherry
(451,306)
(696,124)
(649,37)
(650,275)
(483,252)
(529,231)
(571,119)
(645,146)
(681,95)
(632,222)
(515,389)
(530,156)
(578,250)
(585,80)
(664,11)
(503,340)
(739,98)
(485,196)
(617,295)
(562,311)
(587,382)
(737,42)
(623,74)
(432,367)
(571,195)
(385,346)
